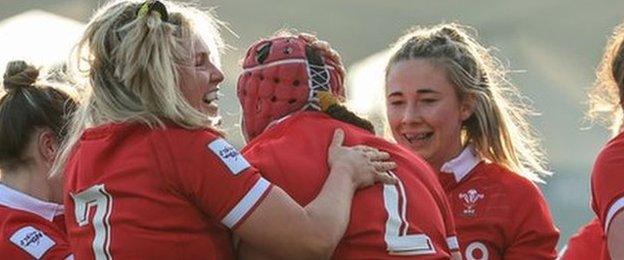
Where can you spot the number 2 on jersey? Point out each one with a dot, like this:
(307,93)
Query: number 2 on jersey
(396,237)
(96,197)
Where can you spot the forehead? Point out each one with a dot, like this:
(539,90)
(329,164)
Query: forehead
(200,46)
(413,75)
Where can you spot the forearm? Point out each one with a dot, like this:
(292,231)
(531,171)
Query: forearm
(329,212)
(615,236)
(296,232)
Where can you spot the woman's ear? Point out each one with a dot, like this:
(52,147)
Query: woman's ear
(47,145)
(468,106)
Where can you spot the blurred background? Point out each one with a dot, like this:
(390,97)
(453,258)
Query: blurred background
(553,48)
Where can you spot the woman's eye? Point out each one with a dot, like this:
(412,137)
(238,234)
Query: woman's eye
(396,102)
(200,60)
(428,100)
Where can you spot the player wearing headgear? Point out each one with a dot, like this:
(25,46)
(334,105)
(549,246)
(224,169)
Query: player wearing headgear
(147,177)
(33,116)
(289,94)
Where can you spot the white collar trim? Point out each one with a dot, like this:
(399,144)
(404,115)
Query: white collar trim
(17,200)
(461,165)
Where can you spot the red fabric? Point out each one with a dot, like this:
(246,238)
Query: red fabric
(169,192)
(584,244)
(293,155)
(507,217)
(607,182)
(279,85)
(12,220)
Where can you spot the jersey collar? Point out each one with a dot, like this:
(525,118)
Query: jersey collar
(461,165)
(17,200)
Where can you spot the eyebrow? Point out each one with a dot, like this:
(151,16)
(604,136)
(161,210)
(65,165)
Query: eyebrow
(420,91)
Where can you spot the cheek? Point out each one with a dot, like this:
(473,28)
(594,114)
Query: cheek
(394,117)
(447,120)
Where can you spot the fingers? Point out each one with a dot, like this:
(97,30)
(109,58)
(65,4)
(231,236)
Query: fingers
(372,153)
(378,156)
(338,138)
(384,166)
(385,178)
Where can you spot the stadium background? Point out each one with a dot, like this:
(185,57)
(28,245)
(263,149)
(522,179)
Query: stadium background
(552,47)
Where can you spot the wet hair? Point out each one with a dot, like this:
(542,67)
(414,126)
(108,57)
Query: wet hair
(605,98)
(129,55)
(27,106)
(498,127)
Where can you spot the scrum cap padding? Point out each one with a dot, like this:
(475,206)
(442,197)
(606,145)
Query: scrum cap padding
(281,76)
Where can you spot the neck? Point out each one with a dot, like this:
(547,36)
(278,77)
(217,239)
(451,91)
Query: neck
(437,164)
(28,180)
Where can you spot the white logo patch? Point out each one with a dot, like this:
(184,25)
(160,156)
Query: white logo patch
(33,241)
(470,198)
(229,155)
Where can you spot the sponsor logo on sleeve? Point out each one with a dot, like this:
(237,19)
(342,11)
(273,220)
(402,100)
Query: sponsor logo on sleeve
(33,241)
(229,155)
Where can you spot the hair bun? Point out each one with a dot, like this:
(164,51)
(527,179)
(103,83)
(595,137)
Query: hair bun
(454,32)
(19,74)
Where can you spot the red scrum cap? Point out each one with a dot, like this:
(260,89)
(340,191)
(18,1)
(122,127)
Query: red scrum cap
(281,76)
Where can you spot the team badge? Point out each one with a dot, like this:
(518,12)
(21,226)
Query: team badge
(32,240)
(229,155)
(470,199)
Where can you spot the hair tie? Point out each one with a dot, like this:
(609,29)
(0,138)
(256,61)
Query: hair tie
(150,6)
(326,100)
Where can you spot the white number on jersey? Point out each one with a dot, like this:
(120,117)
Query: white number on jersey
(96,196)
(397,240)
(476,247)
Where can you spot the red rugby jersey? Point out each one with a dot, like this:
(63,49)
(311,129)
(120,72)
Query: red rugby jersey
(585,244)
(132,192)
(31,228)
(607,184)
(411,219)
(498,214)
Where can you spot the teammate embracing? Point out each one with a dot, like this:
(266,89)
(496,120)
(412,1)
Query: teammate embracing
(289,94)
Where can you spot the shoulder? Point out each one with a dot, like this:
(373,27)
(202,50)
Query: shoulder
(516,185)
(610,160)
(28,235)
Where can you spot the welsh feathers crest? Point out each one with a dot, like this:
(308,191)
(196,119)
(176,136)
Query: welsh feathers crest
(470,199)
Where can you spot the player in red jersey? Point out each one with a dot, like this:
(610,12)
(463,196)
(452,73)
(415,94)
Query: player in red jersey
(607,185)
(585,244)
(32,120)
(145,175)
(288,94)
(447,100)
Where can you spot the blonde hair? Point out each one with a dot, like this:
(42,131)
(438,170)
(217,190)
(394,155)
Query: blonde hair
(130,62)
(605,98)
(498,128)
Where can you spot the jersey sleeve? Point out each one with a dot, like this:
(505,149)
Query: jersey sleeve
(584,244)
(536,235)
(213,175)
(30,241)
(447,214)
(608,183)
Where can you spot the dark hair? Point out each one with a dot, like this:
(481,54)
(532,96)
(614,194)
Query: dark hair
(331,106)
(25,107)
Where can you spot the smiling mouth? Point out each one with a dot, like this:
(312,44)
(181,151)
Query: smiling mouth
(416,138)
(211,98)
